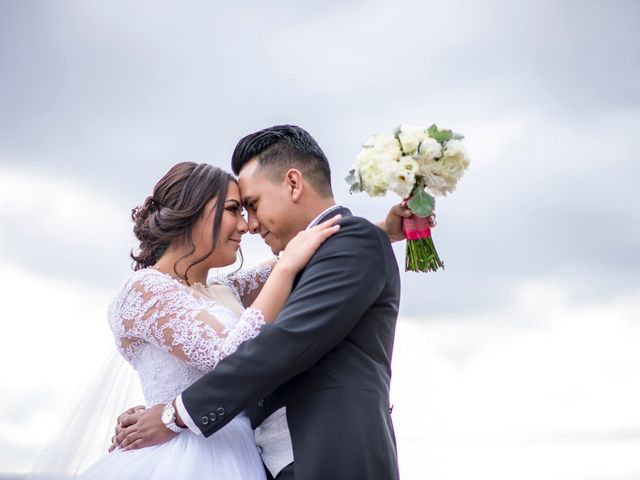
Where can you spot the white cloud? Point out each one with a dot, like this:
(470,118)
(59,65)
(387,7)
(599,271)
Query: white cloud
(56,208)
(484,396)
(62,228)
(545,382)
(55,338)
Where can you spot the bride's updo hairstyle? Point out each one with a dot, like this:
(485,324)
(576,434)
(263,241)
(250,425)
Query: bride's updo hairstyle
(170,213)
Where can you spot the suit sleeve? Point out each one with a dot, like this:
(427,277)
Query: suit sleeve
(337,287)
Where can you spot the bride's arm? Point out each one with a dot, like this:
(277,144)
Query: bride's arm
(247,283)
(158,310)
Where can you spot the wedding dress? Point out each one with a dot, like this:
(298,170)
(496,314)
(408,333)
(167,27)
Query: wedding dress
(173,334)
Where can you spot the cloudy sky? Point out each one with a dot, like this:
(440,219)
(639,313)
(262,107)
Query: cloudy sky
(520,359)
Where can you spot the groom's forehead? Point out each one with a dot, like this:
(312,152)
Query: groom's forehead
(252,190)
(253,180)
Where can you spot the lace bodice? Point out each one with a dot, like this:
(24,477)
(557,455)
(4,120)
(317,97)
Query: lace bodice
(173,333)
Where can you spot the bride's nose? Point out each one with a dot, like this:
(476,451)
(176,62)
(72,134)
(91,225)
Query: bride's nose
(243,226)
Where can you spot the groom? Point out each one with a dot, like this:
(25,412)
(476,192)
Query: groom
(323,367)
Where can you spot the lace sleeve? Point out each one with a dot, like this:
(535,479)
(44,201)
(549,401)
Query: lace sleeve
(153,308)
(246,284)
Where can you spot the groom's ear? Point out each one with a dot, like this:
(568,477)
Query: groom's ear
(295,183)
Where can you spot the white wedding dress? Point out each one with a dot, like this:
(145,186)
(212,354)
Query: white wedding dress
(173,334)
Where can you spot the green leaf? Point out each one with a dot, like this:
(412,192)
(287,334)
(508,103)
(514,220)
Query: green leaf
(457,136)
(421,204)
(440,136)
(351,178)
(353,181)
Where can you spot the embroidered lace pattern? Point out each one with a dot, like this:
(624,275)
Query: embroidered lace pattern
(244,282)
(172,334)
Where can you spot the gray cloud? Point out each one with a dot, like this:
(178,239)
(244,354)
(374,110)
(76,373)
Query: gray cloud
(110,95)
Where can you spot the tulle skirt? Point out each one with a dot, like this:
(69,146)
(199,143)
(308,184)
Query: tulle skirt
(229,454)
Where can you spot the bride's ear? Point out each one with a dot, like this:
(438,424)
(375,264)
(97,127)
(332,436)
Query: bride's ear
(295,184)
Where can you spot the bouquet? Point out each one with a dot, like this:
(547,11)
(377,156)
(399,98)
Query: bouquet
(417,163)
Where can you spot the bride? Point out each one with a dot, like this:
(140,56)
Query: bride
(173,326)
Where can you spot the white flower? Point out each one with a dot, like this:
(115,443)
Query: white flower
(437,183)
(401,176)
(455,160)
(369,166)
(429,149)
(385,145)
(390,163)
(410,137)
(409,164)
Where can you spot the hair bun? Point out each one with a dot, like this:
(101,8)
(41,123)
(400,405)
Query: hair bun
(152,204)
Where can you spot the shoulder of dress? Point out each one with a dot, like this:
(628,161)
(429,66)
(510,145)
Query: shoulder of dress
(145,279)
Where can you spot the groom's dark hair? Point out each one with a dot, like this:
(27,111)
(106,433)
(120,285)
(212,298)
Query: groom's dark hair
(282,147)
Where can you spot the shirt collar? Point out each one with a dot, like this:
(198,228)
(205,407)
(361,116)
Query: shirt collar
(326,212)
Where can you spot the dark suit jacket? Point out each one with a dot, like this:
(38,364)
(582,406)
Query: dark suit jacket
(326,358)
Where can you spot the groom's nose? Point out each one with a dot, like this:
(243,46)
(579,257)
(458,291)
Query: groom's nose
(254,224)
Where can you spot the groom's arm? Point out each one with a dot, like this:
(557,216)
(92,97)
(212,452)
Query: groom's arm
(338,286)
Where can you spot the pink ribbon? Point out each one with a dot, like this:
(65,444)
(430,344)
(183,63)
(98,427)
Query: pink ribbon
(416,227)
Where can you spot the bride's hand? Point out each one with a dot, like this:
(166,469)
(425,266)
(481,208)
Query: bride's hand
(125,419)
(143,429)
(302,247)
(392,224)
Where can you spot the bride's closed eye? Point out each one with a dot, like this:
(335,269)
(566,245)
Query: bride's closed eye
(235,209)
(233,206)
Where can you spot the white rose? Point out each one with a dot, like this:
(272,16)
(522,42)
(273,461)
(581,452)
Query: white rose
(369,167)
(401,176)
(366,156)
(436,180)
(385,145)
(429,149)
(455,159)
(426,165)
(410,138)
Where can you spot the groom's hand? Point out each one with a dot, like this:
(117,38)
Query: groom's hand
(143,428)
(392,224)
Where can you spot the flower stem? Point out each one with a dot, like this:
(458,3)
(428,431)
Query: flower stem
(422,256)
